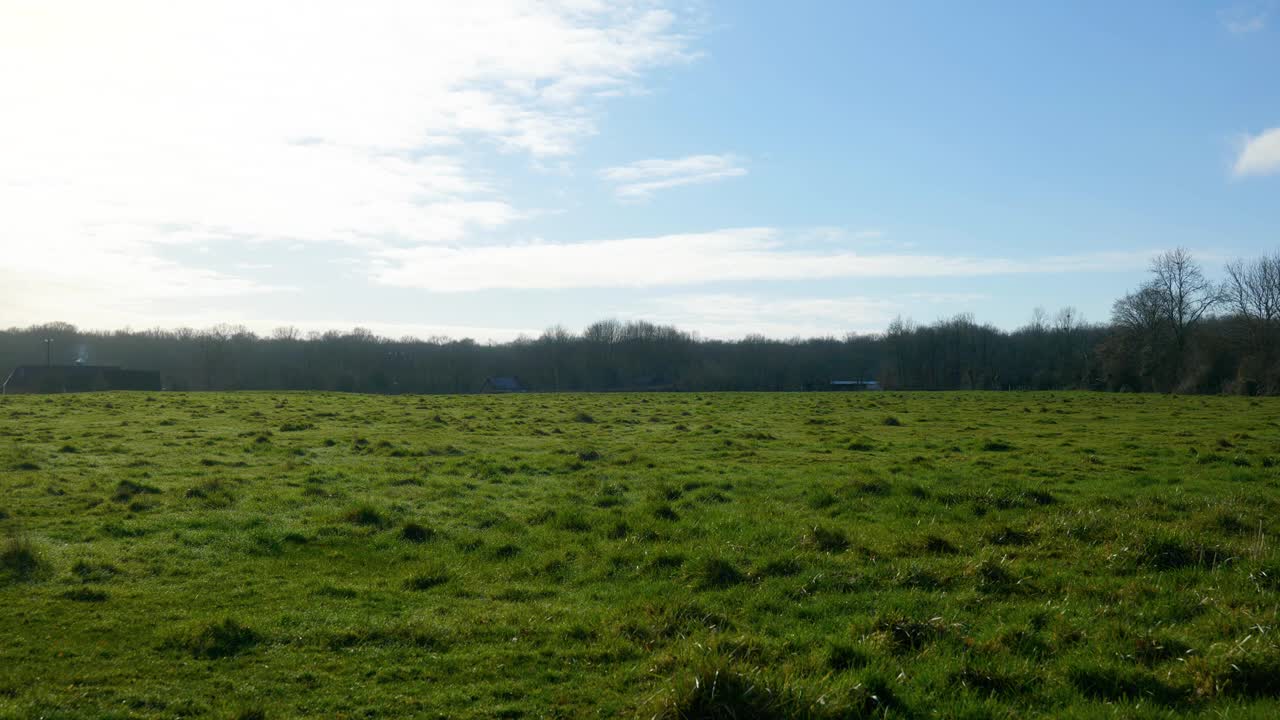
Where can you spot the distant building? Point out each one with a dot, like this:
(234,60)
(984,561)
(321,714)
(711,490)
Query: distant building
(502,385)
(77,378)
(855,385)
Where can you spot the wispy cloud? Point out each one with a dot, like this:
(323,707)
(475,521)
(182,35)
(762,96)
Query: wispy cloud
(1246,18)
(1259,154)
(640,179)
(690,259)
(137,125)
(733,316)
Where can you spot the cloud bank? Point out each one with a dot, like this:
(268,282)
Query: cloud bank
(687,259)
(133,126)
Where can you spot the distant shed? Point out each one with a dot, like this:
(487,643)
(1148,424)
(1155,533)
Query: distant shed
(855,385)
(27,379)
(510,384)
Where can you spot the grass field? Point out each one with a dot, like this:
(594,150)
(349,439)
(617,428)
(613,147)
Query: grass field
(810,555)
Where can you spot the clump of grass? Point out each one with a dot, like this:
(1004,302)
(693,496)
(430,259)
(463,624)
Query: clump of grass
(846,656)
(903,633)
(297,426)
(820,498)
(715,573)
(89,571)
(506,551)
(667,561)
(1116,682)
(779,567)
(664,511)
(875,486)
(1253,674)
(1164,551)
(992,576)
(217,639)
(589,455)
(391,636)
(891,421)
(719,691)
(919,577)
(126,489)
(827,539)
(996,446)
(20,560)
(991,681)
(426,580)
(82,594)
(861,446)
(1006,535)
(664,621)
(572,520)
(1150,649)
(333,591)
(583,417)
(415,533)
(939,546)
(212,493)
(365,514)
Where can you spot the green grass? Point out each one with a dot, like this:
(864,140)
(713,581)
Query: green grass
(841,555)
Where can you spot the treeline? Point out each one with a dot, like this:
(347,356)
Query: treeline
(1177,332)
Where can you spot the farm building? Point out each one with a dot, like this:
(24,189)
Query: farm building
(855,385)
(502,385)
(77,378)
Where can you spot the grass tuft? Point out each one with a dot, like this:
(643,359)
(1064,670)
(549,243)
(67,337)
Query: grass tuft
(827,539)
(20,560)
(218,640)
(1116,683)
(720,691)
(426,580)
(415,533)
(365,514)
(844,656)
(716,573)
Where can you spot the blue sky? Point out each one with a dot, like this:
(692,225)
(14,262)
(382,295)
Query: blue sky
(731,168)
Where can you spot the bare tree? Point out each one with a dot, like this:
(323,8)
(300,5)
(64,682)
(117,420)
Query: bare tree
(1252,290)
(1039,322)
(1067,320)
(1140,312)
(286,333)
(1185,294)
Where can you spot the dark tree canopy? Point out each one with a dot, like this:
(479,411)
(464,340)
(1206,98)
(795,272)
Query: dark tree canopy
(1164,336)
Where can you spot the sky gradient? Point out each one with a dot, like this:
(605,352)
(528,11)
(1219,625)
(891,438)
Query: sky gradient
(750,167)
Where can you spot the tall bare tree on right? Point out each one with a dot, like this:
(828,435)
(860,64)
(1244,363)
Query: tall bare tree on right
(1185,295)
(1251,292)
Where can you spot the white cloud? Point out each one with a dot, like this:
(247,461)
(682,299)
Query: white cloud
(733,316)
(640,179)
(131,125)
(689,259)
(1246,18)
(1259,154)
